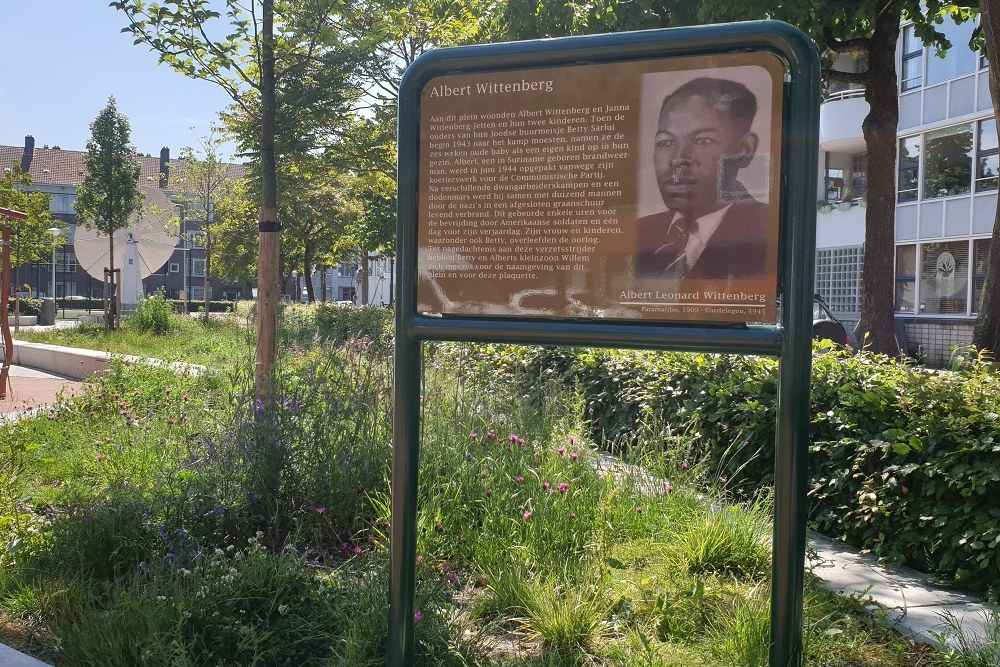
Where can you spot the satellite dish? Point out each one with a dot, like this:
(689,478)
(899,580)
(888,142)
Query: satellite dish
(140,249)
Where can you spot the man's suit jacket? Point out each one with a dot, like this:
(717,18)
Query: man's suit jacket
(737,249)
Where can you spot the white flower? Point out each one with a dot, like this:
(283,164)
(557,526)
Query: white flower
(282,609)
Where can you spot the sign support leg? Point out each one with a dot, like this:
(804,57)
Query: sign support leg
(405,469)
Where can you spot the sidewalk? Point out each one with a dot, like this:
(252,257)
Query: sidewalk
(30,389)
(914,605)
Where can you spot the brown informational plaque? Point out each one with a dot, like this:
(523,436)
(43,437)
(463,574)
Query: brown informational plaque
(636,190)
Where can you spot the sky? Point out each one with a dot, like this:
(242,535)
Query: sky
(62,59)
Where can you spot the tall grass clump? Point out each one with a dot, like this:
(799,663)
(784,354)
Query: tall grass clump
(971,650)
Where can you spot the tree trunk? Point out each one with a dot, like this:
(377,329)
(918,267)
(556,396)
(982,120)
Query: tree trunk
(363,278)
(207,282)
(269,238)
(306,275)
(987,331)
(111,312)
(878,280)
(322,283)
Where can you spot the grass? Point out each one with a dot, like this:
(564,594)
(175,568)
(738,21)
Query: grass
(165,520)
(220,343)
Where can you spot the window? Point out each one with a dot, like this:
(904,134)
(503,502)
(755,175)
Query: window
(198,268)
(944,278)
(859,175)
(175,267)
(838,277)
(347,294)
(987,164)
(959,60)
(909,169)
(948,161)
(980,259)
(197,293)
(913,60)
(62,203)
(906,278)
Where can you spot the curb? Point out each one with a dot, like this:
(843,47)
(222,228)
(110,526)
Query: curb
(79,364)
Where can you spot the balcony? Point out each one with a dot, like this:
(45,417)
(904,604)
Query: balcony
(840,224)
(840,118)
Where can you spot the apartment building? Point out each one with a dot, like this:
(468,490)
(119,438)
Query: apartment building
(946,193)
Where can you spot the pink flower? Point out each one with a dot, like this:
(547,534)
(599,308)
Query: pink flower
(99,458)
(574,455)
(723,480)
(320,510)
(452,578)
(417,616)
(491,434)
(560,450)
(563,486)
(358,550)
(527,516)
(684,466)
(670,487)
(519,479)
(345,546)
(546,486)
(474,435)
(420,559)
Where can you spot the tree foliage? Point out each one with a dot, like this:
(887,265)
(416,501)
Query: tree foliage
(200,183)
(29,239)
(109,195)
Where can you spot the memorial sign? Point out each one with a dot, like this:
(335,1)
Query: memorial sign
(632,190)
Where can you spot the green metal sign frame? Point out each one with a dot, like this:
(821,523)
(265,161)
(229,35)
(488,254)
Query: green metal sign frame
(789,340)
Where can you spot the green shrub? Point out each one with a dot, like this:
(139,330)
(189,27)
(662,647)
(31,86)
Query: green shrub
(154,314)
(335,324)
(28,307)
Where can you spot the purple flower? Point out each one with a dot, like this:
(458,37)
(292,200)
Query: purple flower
(519,479)
(574,455)
(670,487)
(563,487)
(560,450)
(358,551)
(474,435)
(527,516)
(320,510)
(684,466)
(546,486)
(417,617)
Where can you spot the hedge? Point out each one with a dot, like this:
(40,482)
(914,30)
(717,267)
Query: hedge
(904,461)
(28,307)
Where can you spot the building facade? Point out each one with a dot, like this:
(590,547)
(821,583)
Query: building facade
(946,193)
(58,173)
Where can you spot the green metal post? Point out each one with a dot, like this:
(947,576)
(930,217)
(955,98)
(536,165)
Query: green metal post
(801,136)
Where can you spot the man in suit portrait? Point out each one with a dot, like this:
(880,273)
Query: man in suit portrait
(712,228)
